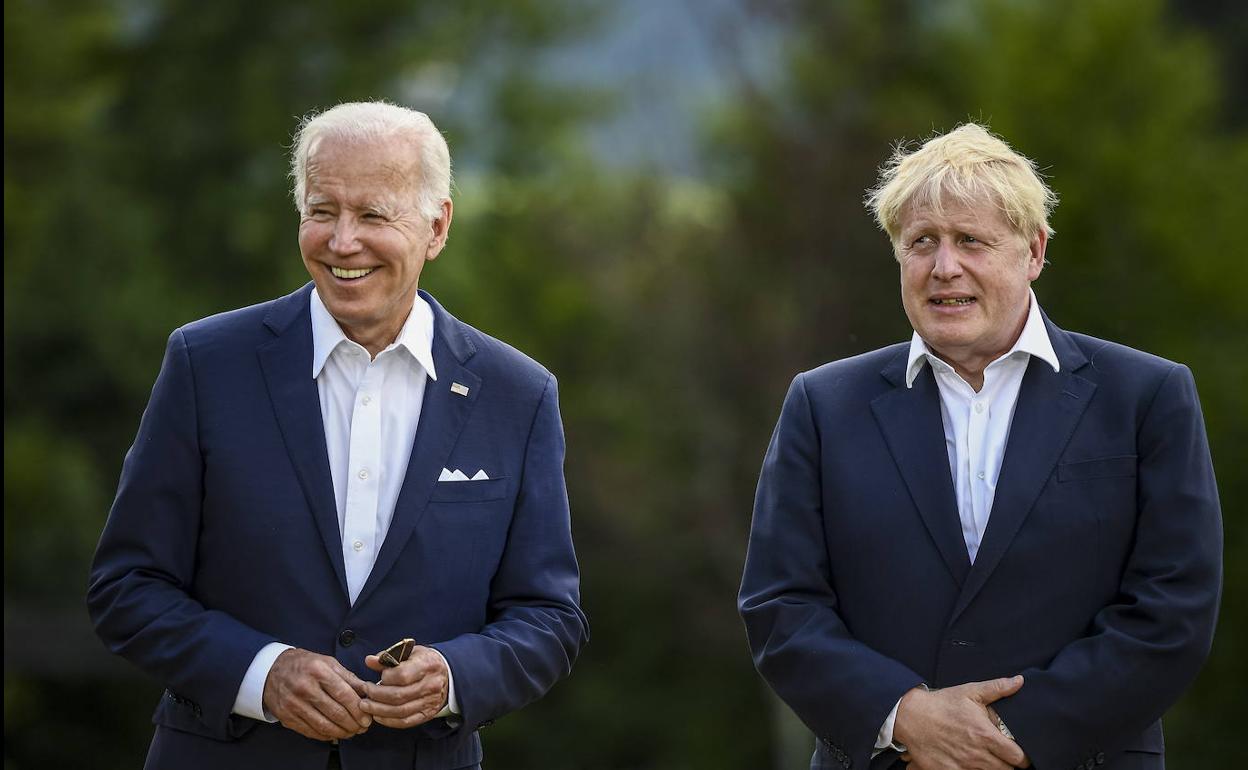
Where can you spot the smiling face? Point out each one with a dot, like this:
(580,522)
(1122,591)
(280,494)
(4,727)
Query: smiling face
(965,275)
(362,235)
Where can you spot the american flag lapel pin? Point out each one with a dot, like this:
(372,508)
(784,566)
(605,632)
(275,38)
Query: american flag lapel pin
(458,388)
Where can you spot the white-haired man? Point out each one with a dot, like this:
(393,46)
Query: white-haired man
(999,544)
(320,477)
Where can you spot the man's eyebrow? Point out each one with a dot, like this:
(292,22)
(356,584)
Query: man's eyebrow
(386,208)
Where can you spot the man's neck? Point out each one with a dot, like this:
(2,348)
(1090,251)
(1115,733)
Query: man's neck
(375,338)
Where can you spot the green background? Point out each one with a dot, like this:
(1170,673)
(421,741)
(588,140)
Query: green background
(144,187)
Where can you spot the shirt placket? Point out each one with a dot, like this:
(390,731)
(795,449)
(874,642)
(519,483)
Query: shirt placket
(363,477)
(976,435)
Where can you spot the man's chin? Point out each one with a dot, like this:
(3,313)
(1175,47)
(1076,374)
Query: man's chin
(947,336)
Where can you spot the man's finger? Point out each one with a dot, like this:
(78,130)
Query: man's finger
(348,676)
(395,695)
(381,710)
(347,694)
(350,719)
(303,728)
(417,717)
(412,671)
(317,722)
(1008,752)
(994,689)
(391,695)
(403,715)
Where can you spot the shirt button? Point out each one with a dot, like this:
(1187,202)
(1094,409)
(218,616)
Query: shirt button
(980,475)
(363,474)
(979,407)
(366,400)
(358,545)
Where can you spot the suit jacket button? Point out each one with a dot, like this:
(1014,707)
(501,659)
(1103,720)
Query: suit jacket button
(346,638)
(1100,757)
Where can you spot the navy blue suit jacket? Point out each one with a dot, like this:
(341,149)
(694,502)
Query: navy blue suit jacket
(224,537)
(1098,576)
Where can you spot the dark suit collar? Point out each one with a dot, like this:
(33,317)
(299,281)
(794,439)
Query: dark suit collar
(1068,352)
(452,332)
(286,310)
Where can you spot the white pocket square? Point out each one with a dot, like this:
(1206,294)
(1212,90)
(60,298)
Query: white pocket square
(458,475)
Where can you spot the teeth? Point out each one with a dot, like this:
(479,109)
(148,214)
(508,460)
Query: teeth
(342,273)
(955,301)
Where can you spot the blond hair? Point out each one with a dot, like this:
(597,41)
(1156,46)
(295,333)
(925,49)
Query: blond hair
(970,164)
(368,121)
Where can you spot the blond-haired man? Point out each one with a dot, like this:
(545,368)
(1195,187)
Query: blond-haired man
(999,544)
(320,477)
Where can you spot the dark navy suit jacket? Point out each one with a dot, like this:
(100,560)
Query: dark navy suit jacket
(1098,577)
(224,537)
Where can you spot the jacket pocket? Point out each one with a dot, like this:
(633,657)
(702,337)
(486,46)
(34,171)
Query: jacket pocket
(1122,466)
(469,491)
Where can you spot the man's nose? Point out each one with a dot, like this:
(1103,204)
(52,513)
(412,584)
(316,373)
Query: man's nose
(344,240)
(948,264)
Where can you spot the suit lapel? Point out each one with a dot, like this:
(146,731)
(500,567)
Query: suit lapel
(287,365)
(1049,407)
(915,434)
(443,415)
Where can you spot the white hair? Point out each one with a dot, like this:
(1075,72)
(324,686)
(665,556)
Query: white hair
(369,121)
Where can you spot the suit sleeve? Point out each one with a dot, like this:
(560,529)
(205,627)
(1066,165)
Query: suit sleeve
(536,626)
(1143,650)
(841,688)
(140,593)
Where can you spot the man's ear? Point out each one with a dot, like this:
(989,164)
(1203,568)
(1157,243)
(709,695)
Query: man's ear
(440,230)
(1035,256)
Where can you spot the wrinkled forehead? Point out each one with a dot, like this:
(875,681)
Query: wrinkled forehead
(387,164)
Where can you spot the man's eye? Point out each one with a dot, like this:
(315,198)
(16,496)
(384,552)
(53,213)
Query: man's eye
(969,239)
(922,240)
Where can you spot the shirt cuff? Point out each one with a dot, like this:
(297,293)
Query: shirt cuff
(452,703)
(885,739)
(250,700)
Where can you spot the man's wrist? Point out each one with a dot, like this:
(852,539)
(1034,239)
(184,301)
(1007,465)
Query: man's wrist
(885,739)
(899,741)
(451,707)
(250,699)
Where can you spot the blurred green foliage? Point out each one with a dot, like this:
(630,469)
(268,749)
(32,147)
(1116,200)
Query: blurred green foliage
(145,187)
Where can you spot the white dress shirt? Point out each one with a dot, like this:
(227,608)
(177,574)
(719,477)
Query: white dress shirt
(977,427)
(370,408)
